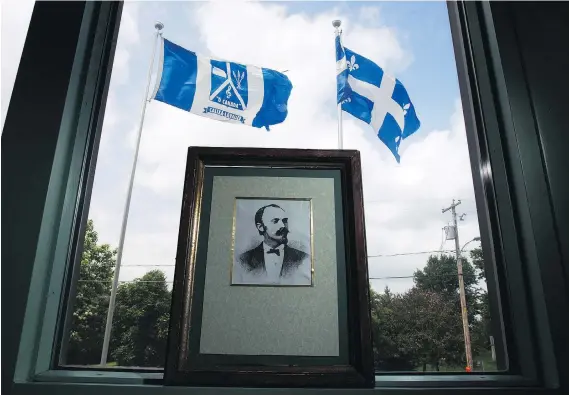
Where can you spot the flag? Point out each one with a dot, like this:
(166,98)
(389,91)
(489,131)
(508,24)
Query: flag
(374,97)
(221,90)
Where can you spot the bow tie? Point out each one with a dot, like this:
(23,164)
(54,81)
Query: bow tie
(274,251)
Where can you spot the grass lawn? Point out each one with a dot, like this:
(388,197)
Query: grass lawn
(482,363)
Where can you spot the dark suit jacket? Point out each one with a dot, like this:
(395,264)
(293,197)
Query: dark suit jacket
(254,260)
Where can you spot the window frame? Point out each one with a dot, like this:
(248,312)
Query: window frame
(501,189)
(78,138)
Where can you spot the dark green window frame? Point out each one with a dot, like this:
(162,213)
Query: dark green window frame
(518,228)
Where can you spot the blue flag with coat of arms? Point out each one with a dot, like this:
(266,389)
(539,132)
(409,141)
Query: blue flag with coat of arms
(374,97)
(221,90)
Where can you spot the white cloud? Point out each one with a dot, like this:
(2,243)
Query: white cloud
(128,40)
(110,121)
(129,23)
(264,35)
(16,15)
(369,14)
(403,202)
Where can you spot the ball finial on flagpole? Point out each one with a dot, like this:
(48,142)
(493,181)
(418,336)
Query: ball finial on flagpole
(336,23)
(159,25)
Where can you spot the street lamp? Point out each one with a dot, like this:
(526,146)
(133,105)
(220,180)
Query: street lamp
(477,238)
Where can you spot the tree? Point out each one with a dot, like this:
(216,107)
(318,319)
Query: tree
(440,275)
(432,327)
(140,329)
(414,329)
(388,355)
(483,326)
(424,325)
(478,262)
(91,300)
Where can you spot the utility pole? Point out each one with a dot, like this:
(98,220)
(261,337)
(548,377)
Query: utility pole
(464,312)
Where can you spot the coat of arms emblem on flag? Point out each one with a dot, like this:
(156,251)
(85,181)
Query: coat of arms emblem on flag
(229,84)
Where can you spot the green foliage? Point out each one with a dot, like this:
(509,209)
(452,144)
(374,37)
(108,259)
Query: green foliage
(478,262)
(440,275)
(482,328)
(414,329)
(91,301)
(389,353)
(140,328)
(419,328)
(433,325)
(423,326)
(140,325)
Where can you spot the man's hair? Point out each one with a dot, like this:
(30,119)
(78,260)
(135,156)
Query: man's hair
(259,214)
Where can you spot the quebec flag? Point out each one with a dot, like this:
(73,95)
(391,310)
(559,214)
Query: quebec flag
(221,90)
(374,97)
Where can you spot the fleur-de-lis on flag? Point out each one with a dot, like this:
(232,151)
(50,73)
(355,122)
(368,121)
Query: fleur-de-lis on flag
(406,108)
(352,65)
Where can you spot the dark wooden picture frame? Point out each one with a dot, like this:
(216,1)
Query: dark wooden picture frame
(187,296)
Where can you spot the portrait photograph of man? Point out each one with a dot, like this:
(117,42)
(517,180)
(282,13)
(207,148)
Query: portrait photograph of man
(272,242)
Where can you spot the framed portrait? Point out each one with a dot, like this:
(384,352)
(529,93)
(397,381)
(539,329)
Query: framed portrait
(272,242)
(271,285)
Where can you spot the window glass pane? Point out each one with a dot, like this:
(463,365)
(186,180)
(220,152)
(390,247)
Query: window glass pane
(416,308)
(16,15)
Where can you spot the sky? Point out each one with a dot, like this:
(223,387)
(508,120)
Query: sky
(402,202)
(14,21)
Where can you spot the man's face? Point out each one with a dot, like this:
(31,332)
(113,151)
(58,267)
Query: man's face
(275,224)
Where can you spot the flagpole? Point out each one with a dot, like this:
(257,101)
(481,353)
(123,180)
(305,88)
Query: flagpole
(336,23)
(112,302)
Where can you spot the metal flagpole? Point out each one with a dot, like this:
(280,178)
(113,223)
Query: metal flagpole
(109,323)
(336,23)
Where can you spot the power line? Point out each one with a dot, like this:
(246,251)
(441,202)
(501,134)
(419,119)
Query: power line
(390,277)
(170,282)
(125,281)
(158,265)
(412,276)
(409,253)
(160,281)
(398,200)
(369,256)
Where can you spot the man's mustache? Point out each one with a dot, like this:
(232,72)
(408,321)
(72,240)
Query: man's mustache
(282,232)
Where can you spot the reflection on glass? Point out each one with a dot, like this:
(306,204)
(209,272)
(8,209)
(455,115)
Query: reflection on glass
(416,307)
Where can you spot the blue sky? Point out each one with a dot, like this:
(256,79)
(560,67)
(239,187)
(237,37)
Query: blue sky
(403,202)
(423,28)
(425,32)
(410,40)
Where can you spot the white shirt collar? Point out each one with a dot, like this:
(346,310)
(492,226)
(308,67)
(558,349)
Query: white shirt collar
(273,263)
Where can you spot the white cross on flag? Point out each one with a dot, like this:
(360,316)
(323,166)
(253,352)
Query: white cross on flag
(374,97)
